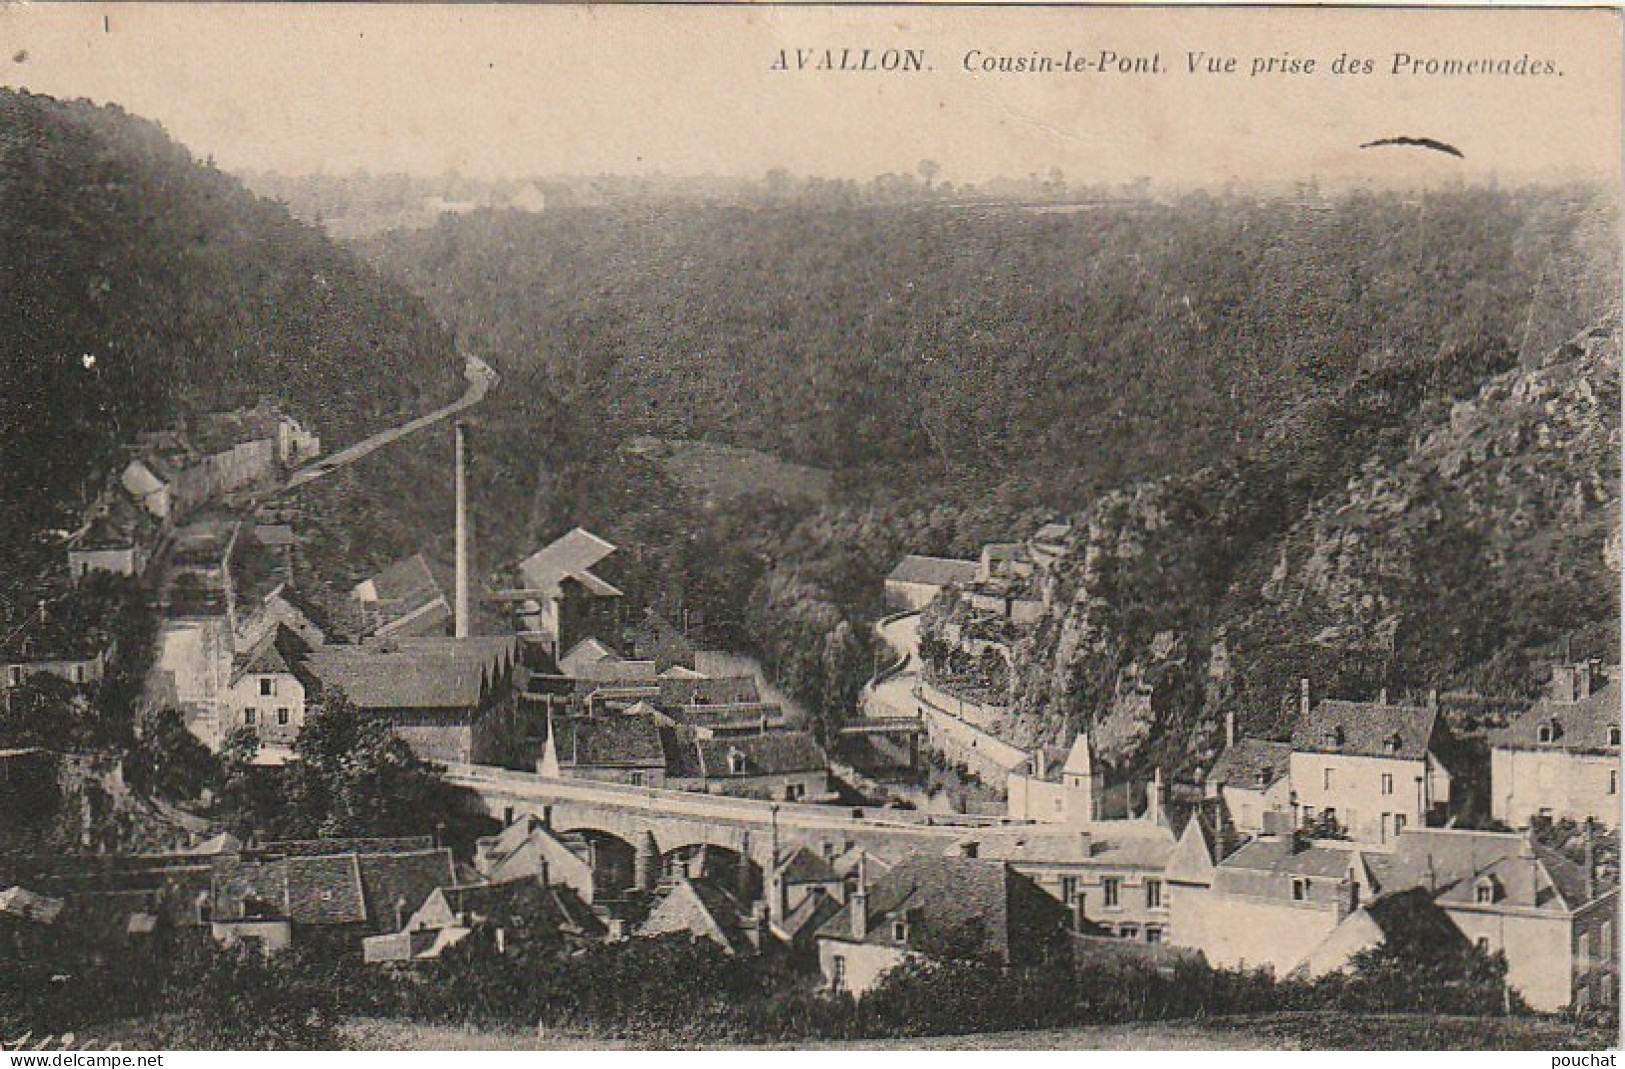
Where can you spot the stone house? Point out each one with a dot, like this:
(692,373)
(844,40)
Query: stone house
(1561,758)
(916,580)
(265,694)
(1252,779)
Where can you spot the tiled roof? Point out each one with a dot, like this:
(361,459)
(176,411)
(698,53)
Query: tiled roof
(1581,726)
(421,673)
(1279,856)
(588,651)
(1255,764)
(1366,729)
(324,890)
(568,557)
(934,895)
(404,880)
(775,753)
(250,890)
(609,740)
(277,651)
(1052,533)
(708,690)
(810,914)
(400,844)
(401,586)
(932,571)
(804,865)
(523,904)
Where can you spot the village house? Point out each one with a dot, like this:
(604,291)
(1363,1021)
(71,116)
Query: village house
(1370,768)
(1554,919)
(786,766)
(270,897)
(926,902)
(405,598)
(1272,902)
(1252,779)
(280,607)
(917,580)
(1111,877)
(117,537)
(265,695)
(450,699)
(706,909)
(528,849)
(803,892)
(1048,544)
(1561,758)
(614,747)
(66,638)
(519,913)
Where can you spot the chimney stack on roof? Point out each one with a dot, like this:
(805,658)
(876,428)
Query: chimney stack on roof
(860,900)
(1590,861)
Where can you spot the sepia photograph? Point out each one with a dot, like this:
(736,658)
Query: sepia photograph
(809,527)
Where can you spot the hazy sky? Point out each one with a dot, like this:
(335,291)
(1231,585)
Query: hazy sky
(513,91)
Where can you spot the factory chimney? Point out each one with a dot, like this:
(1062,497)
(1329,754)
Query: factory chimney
(461,618)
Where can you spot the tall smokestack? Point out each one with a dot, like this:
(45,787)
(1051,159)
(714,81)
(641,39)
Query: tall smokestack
(461,619)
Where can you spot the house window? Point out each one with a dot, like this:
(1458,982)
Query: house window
(1549,731)
(636,779)
(1109,888)
(1153,934)
(248,717)
(1613,736)
(1153,894)
(1328,778)
(1069,889)
(795,792)
(282,717)
(1613,781)
(16,675)
(1484,943)
(267,687)
(1387,783)
(78,673)
(736,763)
(899,931)
(1484,893)
(1300,889)
(1128,931)
(837,972)
(1399,823)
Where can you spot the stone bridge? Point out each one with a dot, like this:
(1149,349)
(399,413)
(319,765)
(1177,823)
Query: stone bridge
(682,819)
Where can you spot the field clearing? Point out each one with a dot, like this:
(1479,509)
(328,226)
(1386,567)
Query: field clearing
(1282,1031)
(718,474)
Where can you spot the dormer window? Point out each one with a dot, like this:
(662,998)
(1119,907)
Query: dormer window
(1395,742)
(1550,731)
(1484,891)
(1263,777)
(1335,737)
(1613,735)
(736,763)
(899,931)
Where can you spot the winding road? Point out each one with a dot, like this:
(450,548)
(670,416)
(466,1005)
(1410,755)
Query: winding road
(481,377)
(894,696)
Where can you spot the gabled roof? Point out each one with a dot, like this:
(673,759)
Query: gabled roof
(324,890)
(805,866)
(401,586)
(1193,858)
(1052,533)
(708,690)
(934,894)
(1079,761)
(419,673)
(1254,764)
(569,557)
(589,651)
(703,908)
(277,651)
(932,571)
(522,904)
(402,880)
(1580,726)
(810,914)
(1279,856)
(611,740)
(1366,729)
(775,753)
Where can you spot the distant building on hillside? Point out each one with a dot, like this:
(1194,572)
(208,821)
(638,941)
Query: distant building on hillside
(917,580)
(406,598)
(118,536)
(1561,758)
(1252,779)
(266,695)
(564,601)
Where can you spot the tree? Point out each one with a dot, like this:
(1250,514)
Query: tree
(168,760)
(929,169)
(353,776)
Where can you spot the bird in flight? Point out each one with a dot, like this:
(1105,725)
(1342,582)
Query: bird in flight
(1418,142)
